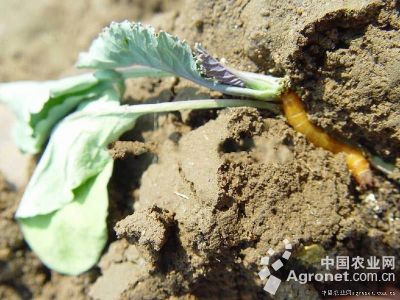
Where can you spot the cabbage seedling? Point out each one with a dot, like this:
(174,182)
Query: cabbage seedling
(64,208)
(125,44)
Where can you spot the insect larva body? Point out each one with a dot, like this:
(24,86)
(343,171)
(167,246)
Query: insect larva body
(359,168)
(298,119)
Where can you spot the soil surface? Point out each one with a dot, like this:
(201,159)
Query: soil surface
(197,198)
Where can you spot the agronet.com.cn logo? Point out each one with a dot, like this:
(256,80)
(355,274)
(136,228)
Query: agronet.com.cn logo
(340,268)
(272,282)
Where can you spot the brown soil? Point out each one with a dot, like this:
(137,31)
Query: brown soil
(197,198)
(342,55)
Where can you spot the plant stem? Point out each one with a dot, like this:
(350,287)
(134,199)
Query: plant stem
(269,93)
(261,87)
(381,165)
(198,104)
(261,81)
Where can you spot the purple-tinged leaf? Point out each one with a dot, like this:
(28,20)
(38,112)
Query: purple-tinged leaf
(212,68)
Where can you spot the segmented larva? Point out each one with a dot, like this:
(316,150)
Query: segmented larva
(297,117)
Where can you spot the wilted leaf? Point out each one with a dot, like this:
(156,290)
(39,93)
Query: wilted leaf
(38,106)
(71,239)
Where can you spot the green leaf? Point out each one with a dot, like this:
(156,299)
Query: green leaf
(75,153)
(38,106)
(125,44)
(71,239)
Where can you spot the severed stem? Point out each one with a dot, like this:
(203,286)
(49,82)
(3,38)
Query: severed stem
(197,104)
